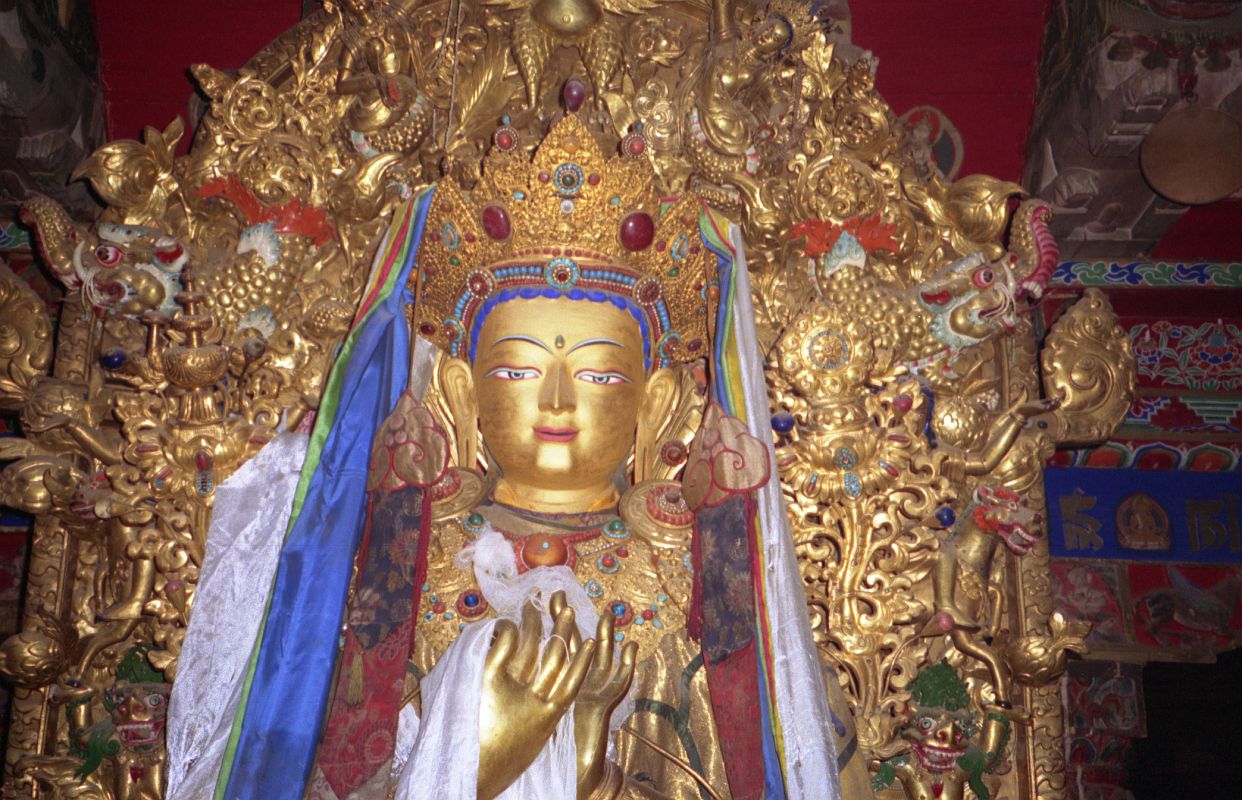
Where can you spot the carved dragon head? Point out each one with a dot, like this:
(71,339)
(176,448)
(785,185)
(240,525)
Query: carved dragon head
(1007,514)
(120,269)
(969,301)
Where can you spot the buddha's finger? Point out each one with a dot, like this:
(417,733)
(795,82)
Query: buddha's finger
(575,641)
(555,652)
(526,657)
(604,634)
(571,680)
(563,624)
(556,606)
(504,640)
(557,603)
(624,675)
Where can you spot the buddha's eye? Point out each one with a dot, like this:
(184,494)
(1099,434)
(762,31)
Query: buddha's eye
(514,373)
(601,378)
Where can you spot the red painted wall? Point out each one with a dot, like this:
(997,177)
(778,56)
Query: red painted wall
(1206,233)
(975,60)
(147,46)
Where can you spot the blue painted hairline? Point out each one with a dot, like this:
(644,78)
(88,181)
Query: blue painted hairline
(533,292)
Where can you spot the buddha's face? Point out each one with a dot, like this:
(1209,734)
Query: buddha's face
(559,386)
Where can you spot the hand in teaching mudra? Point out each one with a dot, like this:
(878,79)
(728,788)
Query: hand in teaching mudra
(523,697)
(603,689)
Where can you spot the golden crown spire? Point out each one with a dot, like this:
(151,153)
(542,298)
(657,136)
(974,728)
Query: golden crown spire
(566,222)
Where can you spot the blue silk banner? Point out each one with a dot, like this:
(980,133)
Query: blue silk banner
(1144,515)
(297,657)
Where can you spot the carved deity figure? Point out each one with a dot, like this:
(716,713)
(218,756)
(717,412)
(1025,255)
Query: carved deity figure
(576,589)
(120,757)
(962,573)
(949,750)
(378,69)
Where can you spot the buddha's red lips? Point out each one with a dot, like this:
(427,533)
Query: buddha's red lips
(556,434)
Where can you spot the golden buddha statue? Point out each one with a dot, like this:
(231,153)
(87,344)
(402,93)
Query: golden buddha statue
(559,522)
(565,359)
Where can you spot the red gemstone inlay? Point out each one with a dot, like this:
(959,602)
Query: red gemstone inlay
(608,561)
(593,179)
(496,223)
(544,177)
(648,614)
(438,608)
(575,93)
(637,231)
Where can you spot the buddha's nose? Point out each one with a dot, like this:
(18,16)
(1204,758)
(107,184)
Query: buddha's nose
(557,391)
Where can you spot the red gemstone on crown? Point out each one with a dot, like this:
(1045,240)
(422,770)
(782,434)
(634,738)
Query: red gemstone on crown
(496,223)
(506,139)
(637,231)
(633,145)
(647,291)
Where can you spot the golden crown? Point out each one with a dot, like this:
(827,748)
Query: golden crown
(567,222)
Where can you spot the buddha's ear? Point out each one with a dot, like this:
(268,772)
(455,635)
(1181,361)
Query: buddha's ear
(457,383)
(661,394)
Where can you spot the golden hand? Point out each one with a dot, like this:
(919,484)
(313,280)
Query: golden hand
(605,686)
(1025,409)
(523,699)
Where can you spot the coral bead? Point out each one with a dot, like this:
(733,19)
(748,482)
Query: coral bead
(544,551)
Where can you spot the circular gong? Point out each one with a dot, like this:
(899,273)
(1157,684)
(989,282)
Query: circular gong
(1194,155)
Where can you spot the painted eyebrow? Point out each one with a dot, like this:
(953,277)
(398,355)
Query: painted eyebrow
(516,338)
(586,342)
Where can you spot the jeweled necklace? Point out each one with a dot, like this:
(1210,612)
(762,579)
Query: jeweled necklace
(560,545)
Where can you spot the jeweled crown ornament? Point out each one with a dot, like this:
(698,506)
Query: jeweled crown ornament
(567,222)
